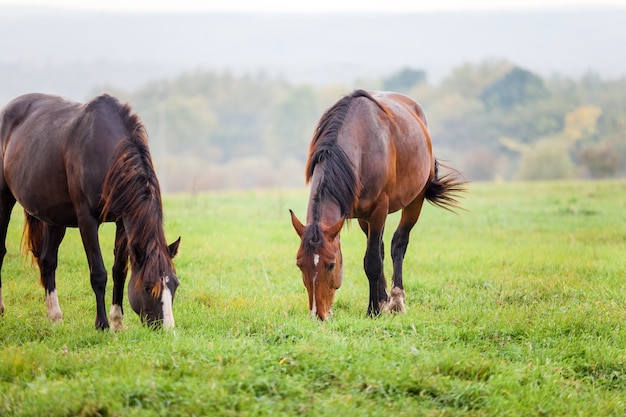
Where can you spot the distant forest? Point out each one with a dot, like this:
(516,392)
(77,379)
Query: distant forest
(494,121)
(231,100)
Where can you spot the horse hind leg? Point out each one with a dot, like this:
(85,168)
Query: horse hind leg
(48,265)
(399,244)
(7,201)
(44,240)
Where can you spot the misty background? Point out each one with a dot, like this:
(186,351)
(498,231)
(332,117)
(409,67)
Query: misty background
(231,100)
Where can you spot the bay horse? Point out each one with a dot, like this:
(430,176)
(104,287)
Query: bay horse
(371,155)
(77,165)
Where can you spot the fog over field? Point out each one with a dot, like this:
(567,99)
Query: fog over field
(73,52)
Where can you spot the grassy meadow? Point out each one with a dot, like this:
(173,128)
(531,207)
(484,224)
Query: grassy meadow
(516,307)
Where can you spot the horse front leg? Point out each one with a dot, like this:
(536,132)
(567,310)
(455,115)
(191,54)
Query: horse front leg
(120,270)
(399,244)
(373,263)
(88,226)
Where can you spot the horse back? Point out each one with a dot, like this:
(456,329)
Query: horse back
(390,143)
(55,152)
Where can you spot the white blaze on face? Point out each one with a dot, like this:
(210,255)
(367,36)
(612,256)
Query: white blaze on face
(166,301)
(313,308)
(316,260)
(52,306)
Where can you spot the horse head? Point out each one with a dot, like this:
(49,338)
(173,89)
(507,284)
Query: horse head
(319,259)
(153,284)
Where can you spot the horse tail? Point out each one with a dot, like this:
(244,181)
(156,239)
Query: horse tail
(444,191)
(33,236)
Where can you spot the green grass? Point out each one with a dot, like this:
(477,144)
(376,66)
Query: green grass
(514,308)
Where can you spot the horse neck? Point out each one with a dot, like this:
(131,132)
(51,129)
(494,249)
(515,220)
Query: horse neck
(321,209)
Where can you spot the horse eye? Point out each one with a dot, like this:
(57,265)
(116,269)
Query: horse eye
(331,266)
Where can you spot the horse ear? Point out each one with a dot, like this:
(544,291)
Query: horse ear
(173,248)
(334,230)
(297,224)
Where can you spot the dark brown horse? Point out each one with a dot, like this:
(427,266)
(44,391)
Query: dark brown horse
(77,165)
(371,155)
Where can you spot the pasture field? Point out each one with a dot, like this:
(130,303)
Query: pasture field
(516,307)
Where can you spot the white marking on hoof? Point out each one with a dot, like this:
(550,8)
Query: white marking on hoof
(1,303)
(52,305)
(396,301)
(166,301)
(116,318)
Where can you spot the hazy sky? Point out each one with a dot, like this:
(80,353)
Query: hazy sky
(301,6)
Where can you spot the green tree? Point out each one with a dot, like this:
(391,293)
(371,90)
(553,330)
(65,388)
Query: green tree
(470,80)
(292,124)
(545,159)
(517,87)
(404,80)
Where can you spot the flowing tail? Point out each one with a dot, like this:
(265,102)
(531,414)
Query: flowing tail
(446,190)
(33,236)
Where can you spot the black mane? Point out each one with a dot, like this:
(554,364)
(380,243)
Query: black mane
(131,190)
(339,178)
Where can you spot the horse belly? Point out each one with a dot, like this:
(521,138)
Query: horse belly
(54,210)
(62,215)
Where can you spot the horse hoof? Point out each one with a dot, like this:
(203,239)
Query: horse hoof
(52,307)
(117,327)
(116,317)
(55,317)
(102,326)
(396,301)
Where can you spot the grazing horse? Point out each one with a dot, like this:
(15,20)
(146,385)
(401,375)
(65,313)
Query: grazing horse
(370,155)
(76,165)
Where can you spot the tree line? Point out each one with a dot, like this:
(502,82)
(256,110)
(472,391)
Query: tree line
(493,120)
